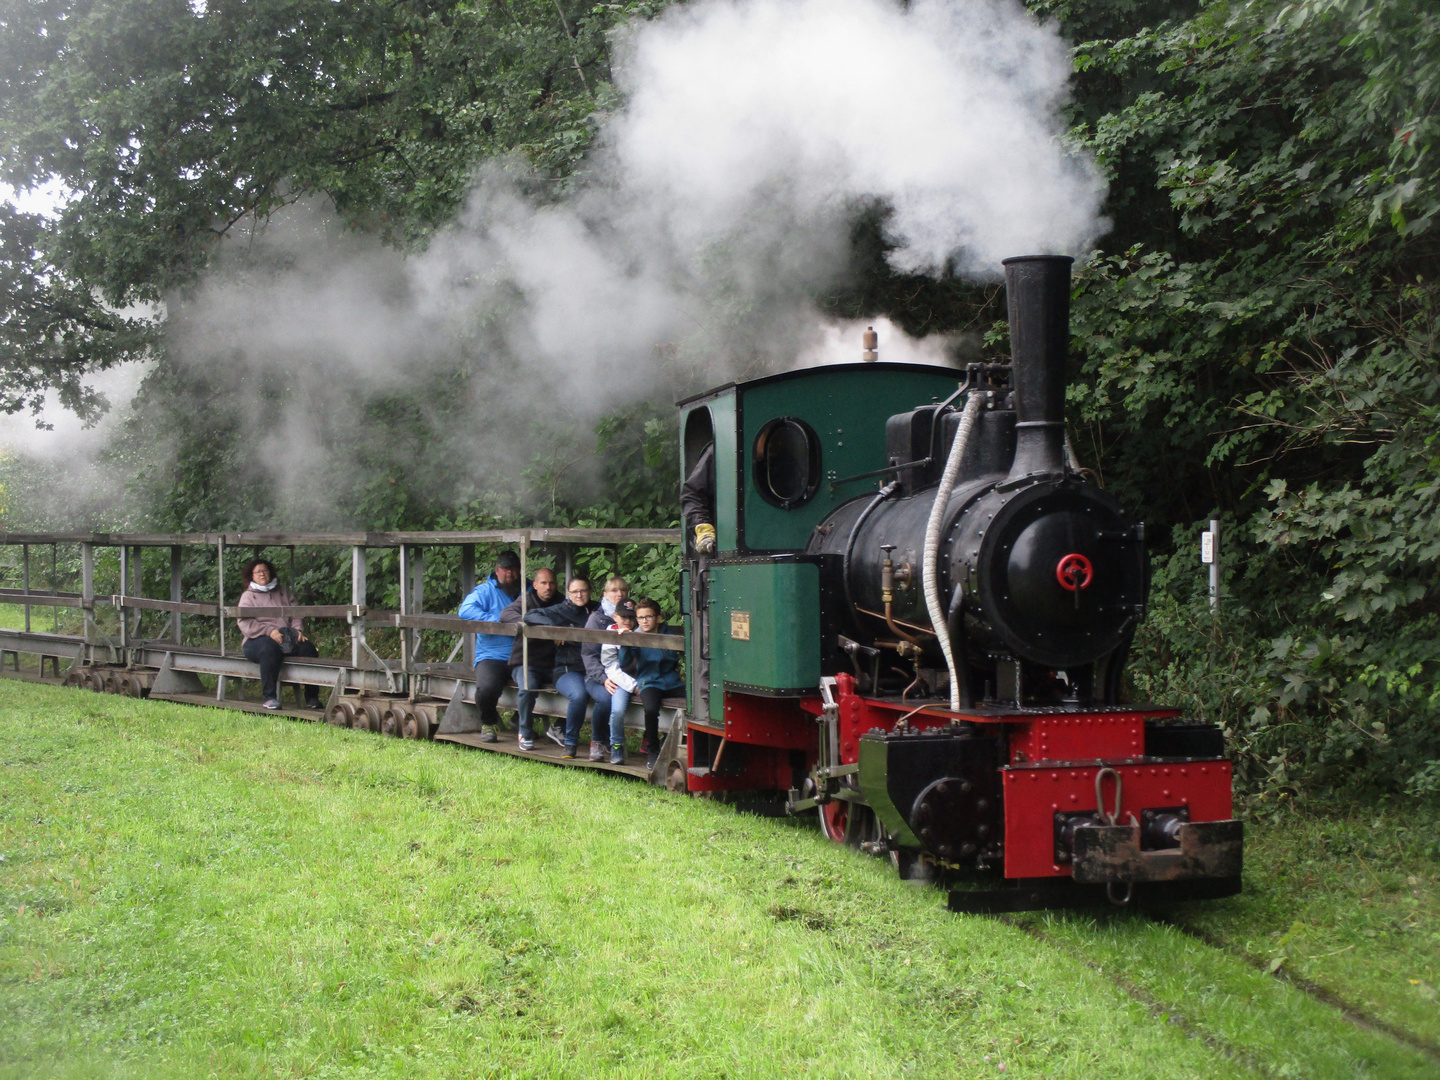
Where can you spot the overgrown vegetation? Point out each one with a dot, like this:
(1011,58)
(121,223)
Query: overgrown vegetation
(1256,338)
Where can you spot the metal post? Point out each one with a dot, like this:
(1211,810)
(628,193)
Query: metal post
(139,568)
(569,565)
(357,597)
(417,571)
(220,585)
(54,574)
(405,651)
(524,593)
(467,583)
(175,582)
(1215,567)
(87,591)
(124,585)
(25,580)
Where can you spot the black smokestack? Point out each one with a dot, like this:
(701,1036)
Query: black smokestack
(1038,290)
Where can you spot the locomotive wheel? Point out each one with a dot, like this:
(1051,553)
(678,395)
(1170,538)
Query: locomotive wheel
(394,720)
(343,715)
(848,823)
(368,716)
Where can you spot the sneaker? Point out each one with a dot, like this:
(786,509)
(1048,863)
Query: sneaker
(527,743)
(617,754)
(312,703)
(272,703)
(553,734)
(597,751)
(487,734)
(569,752)
(651,758)
(646,746)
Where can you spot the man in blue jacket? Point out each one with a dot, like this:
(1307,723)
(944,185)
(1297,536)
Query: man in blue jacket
(492,651)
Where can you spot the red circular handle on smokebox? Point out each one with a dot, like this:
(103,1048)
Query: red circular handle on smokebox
(1074,572)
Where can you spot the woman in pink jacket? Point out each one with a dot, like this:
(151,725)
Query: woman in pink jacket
(267,635)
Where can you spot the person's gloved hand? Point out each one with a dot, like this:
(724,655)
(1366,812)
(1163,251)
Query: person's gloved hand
(705,539)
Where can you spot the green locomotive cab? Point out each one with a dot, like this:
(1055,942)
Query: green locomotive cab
(788,449)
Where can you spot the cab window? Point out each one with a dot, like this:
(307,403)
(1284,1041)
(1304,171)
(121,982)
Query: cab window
(787,462)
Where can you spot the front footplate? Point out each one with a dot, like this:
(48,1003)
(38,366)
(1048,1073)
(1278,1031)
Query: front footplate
(1106,854)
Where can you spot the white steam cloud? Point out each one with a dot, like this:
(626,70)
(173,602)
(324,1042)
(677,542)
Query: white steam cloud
(948,110)
(716,206)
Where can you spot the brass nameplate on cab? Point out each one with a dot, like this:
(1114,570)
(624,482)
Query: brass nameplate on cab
(740,625)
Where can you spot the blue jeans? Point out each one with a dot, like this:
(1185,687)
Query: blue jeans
(571,683)
(600,715)
(619,702)
(568,681)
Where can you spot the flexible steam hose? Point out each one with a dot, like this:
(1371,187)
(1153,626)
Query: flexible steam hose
(932,541)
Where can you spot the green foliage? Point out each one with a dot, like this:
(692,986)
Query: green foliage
(52,330)
(1263,344)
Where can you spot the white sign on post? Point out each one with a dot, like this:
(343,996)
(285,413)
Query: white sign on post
(1207,547)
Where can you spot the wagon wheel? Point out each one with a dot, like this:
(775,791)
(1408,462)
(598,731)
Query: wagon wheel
(368,716)
(676,778)
(104,682)
(124,685)
(95,680)
(417,722)
(393,722)
(343,715)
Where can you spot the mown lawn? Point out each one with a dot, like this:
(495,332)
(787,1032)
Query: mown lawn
(188,892)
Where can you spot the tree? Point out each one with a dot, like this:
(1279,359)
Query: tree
(171,122)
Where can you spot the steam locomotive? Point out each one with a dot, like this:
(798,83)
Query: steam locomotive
(916,625)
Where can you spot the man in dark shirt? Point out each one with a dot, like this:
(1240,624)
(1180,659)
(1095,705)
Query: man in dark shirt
(567,674)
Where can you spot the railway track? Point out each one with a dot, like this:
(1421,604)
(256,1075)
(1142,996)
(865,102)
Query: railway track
(1358,1016)
(1423,1054)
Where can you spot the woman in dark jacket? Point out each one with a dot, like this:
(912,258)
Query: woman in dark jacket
(568,673)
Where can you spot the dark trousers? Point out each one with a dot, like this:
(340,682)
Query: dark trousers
(490,679)
(264,651)
(650,700)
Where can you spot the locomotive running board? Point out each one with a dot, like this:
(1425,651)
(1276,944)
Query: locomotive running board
(1045,894)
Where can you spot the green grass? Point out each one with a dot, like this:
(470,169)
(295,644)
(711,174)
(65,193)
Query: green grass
(1348,899)
(189,892)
